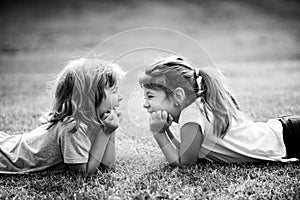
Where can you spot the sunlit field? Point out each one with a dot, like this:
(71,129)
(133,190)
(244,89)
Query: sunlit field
(262,68)
(141,170)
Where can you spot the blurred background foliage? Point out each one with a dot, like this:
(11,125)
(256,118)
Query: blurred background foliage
(37,36)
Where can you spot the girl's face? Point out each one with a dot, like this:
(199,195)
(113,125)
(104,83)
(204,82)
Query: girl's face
(112,100)
(157,100)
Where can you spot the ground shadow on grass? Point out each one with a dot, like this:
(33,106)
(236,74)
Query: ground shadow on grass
(206,180)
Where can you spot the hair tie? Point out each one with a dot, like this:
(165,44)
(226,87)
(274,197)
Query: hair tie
(198,76)
(198,79)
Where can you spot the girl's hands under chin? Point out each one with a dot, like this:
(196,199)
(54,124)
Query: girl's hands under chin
(160,121)
(111,120)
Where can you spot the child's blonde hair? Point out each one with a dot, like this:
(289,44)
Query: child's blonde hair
(78,90)
(210,86)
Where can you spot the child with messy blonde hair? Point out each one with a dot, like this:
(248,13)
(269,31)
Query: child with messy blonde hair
(79,132)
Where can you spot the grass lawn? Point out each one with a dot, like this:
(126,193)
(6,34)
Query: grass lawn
(141,170)
(257,49)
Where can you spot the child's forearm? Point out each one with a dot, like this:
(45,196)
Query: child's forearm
(109,157)
(97,151)
(172,138)
(169,149)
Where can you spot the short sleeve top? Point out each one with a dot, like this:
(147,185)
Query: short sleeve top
(41,149)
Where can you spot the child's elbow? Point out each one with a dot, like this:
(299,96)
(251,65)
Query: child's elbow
(106,167)
(182,162)
(81,168)
(178,164)
(101,168)
(91,171)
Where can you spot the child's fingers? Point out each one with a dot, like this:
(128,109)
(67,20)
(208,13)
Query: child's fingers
(109,116)
(158,114)
(164,115)
(119,114)
(113,116)
(111,121)
(170,118)
(117,111)
(104,116)
(155,115)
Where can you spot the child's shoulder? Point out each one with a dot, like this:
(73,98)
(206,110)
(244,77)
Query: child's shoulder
(69,124)
(195,113)
(195,106)
(191,111)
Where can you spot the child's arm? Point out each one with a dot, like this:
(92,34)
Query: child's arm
(172,138)
(95,156)
(102,149)
(166,128)
(191,141)
(109,157)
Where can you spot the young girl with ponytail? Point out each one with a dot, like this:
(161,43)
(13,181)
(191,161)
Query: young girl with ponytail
(210,122)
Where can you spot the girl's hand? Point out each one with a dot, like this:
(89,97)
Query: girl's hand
(119,114)
(111,121)
(160,121)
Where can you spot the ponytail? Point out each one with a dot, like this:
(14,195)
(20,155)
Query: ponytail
(217,98)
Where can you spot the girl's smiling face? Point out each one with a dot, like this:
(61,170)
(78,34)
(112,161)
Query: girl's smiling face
(112,99)
(157,100)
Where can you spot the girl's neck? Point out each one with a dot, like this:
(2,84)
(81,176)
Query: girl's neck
(185,104)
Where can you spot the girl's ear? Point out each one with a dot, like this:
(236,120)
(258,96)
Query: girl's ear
(179,95)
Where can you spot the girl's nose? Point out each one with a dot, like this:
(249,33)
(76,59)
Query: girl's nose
(146,105)
(120,97)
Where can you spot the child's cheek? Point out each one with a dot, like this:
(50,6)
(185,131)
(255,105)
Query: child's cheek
(155,108)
